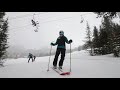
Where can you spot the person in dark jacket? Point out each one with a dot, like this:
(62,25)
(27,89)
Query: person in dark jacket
(30,56)
(61,49)
(34,57)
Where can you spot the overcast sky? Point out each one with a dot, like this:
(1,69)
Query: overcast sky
(21,31)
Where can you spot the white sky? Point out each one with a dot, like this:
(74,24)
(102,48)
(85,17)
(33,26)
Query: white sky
(50,24)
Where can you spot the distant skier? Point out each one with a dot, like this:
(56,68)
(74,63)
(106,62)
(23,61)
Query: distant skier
(30,56)
(61,48)
(34,57)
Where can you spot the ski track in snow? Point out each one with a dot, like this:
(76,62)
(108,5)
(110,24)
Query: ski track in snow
(83,66)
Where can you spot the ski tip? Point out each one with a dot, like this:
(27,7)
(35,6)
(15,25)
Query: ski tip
(65,73)
(68,73)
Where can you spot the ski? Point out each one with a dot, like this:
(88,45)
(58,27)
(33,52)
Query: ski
(60,72)
(67,73)
(56,70)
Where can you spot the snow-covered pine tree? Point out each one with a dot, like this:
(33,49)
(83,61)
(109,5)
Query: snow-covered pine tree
(88,37)
(95,40)
(3,36)
(106,35)
(106,14)
(95,37)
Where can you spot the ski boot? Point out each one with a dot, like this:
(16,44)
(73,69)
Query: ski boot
(60,67)
(54,67)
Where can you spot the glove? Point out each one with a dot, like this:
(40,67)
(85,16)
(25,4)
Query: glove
(52,44)
(70,41)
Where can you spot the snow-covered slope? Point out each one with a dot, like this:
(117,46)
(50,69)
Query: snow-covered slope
(83,66)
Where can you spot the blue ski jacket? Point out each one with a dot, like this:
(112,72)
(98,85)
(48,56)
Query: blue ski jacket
(61,40)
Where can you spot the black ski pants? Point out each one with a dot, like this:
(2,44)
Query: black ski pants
(29,59)
(58,52)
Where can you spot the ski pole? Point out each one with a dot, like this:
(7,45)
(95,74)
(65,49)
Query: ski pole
(70,57)
(49,58)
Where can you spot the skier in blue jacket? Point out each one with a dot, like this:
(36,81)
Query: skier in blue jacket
(61,48)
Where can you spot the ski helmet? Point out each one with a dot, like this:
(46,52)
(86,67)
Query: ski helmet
(61,32)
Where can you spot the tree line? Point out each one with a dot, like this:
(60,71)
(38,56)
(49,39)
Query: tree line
(105,39)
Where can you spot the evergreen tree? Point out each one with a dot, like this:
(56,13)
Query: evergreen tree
(3,35)
(108,37)
(95,37)
(116,36)
(88,38)
(106,34)
(106,14)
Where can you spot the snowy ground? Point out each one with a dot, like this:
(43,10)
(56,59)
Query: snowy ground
(83,66)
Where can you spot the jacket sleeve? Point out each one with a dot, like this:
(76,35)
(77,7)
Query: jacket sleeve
(56,42)
(66,40)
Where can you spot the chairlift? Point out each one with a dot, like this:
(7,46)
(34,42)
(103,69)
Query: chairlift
(35,23)
(36,30)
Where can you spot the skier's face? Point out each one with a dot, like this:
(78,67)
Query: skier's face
(61,35)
